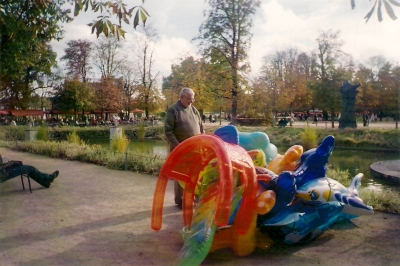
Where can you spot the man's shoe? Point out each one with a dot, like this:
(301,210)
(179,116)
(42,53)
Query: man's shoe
(54,175)
(46,183)
(178,203)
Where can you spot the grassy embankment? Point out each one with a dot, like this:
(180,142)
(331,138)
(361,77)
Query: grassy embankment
(369,139)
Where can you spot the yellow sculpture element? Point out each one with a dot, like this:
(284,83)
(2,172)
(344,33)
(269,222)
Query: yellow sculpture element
(265,202)
(242,245)
(286,162)
(258,157)
(209,173)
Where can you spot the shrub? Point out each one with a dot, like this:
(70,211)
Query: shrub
(286,139)
(120,143)
(349,141)
(141,132)
(342,176)
(12,133)
(308,138)
(74,138)
(387,200)
(42,134)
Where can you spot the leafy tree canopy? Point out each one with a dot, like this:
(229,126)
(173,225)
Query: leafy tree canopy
(388,4)
(25,31)
(111,8)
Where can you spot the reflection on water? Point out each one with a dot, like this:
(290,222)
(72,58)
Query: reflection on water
(353,161)
(359,161)
(149,146)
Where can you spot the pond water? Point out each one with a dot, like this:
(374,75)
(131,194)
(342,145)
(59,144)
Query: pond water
(353,161)
(359,161)
(148,147)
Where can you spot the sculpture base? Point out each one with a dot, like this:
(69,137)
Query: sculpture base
(115,132)
(347,123)
(30,135)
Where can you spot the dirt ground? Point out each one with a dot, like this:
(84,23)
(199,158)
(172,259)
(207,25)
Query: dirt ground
(96,216)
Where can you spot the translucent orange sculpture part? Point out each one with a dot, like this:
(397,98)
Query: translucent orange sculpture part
(188,160)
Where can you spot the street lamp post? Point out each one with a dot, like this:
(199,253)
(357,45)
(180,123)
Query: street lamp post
(128,95)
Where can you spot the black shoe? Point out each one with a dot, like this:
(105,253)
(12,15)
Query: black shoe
(54,175)
(178,203)
(46,183)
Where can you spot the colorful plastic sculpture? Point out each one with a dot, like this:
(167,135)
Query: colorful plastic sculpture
(313,163)
(189,159)
(286,162)
(301,222)
(248,140)
(322,190)
(258,140)
(243,205)
(258,157)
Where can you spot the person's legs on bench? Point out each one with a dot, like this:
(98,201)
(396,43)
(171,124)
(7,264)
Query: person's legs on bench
(42,179)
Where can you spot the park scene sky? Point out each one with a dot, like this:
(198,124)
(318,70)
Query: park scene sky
(277,25)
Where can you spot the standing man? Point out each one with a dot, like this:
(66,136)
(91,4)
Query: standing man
(182,122)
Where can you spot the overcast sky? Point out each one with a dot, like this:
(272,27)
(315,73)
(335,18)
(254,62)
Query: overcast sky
(278,25)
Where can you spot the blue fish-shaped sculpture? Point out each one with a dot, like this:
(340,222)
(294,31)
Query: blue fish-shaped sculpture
(301,222)
(313,163)
(322,190)
(284,187)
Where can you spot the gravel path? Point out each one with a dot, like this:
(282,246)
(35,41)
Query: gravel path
(96,216)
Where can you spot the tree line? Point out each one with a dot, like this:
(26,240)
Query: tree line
(125,83)
(290,80)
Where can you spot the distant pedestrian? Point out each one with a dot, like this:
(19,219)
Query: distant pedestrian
(366,120)
(213,119)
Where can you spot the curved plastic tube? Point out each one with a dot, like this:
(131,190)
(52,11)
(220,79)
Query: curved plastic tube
(186,162)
